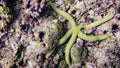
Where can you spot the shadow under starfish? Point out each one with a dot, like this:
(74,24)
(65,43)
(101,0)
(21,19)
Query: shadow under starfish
(75,32)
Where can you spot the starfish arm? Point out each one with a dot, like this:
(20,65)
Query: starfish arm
(65,37)
(99,22)
(50,52)
(68,47)
(91,37)
(64,14)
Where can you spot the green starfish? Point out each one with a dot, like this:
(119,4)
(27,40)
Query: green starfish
(75,32)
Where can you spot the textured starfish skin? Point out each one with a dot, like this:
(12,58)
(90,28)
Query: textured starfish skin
(75,32)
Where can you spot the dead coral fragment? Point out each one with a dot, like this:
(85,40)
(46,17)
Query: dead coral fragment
(78,54)
(55,25)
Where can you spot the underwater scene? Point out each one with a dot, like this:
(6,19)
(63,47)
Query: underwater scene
(59,33)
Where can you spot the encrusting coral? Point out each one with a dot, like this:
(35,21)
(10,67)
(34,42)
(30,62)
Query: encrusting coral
(75,31)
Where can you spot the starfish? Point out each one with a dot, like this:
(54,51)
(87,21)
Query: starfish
(75,31)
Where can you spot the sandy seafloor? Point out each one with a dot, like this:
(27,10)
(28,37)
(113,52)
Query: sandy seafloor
(27,33)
